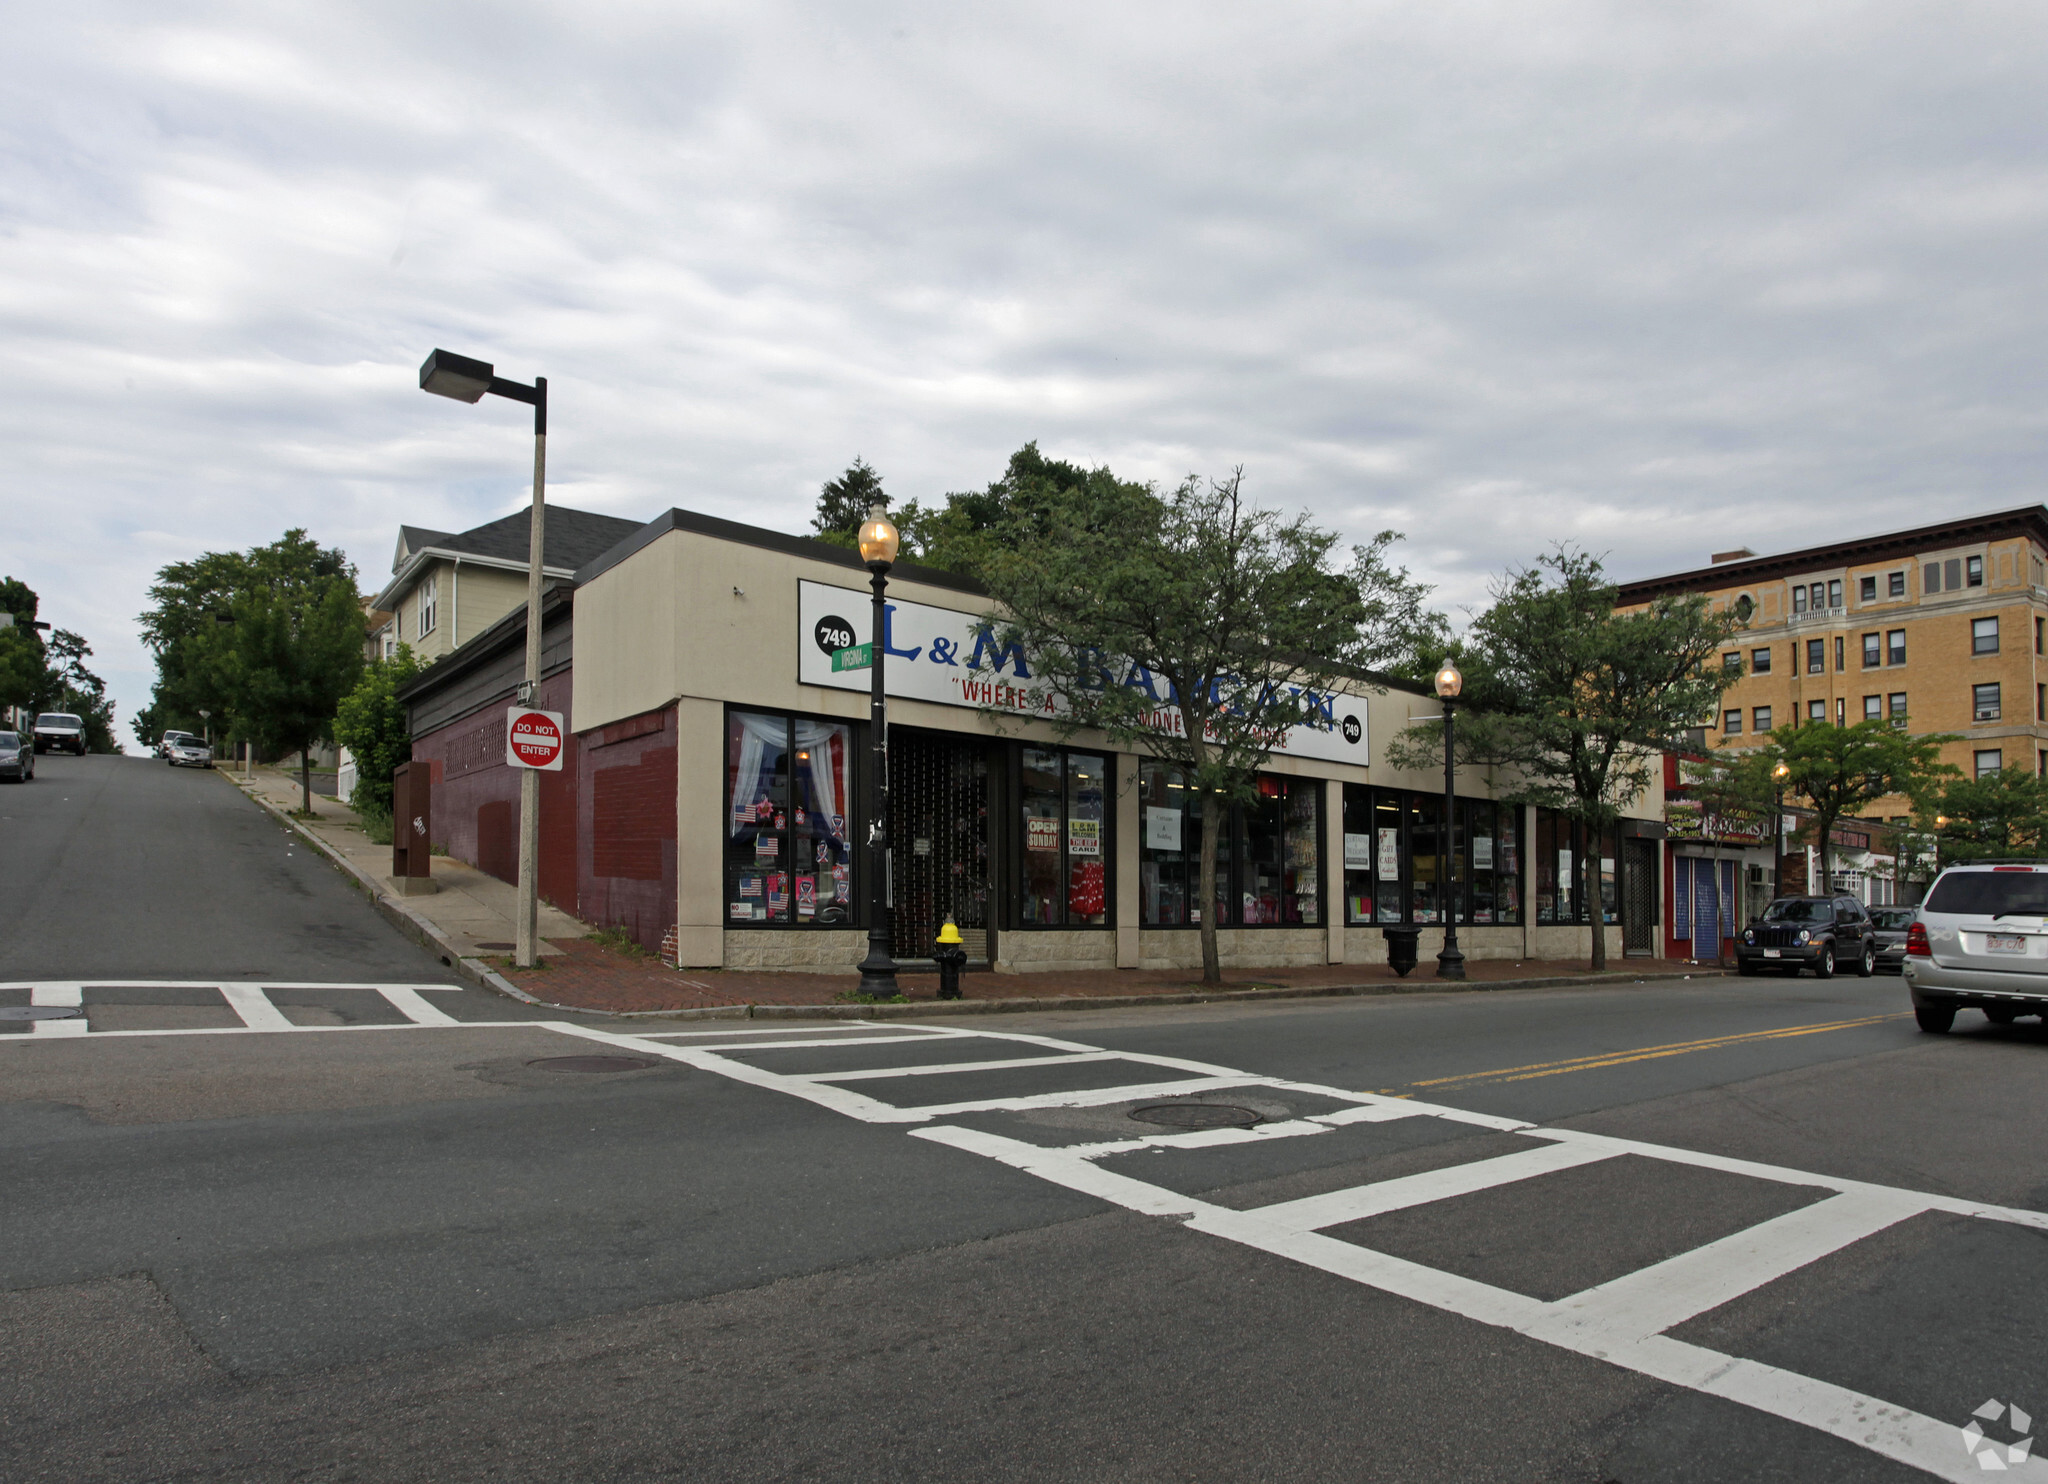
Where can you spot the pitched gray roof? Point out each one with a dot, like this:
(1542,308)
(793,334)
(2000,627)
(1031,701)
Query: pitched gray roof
(411,539)
(574,537)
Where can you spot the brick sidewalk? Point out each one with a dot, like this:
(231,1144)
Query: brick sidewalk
(588,976)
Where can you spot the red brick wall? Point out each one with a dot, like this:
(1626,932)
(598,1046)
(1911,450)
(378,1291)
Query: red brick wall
(628,798)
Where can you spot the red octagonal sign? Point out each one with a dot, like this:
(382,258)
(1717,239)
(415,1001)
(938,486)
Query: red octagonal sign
(533,739)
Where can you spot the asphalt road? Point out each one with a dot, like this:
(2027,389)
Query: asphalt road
(358,1246)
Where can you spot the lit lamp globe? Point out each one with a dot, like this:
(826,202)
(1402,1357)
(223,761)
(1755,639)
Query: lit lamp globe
(1781,772)
(878,539)
(1449,682)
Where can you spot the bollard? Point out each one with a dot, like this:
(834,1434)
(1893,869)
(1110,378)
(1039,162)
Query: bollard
(951,958)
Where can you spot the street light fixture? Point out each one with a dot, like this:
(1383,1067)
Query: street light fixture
(1450,964)
(879,542)
(1778,776)
(465,379)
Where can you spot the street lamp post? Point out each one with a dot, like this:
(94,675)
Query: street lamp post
(878,543)
(1450,964)
(448,375)
(1778,776)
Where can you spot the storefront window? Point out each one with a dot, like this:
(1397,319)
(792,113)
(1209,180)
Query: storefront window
(1562,845)
(788,850)
(1065,871)
(1425,894)
(1267,858)
(1392,865)
(1167,865)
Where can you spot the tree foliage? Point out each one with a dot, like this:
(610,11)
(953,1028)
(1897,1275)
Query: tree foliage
(50,675)
(374,727)
(2002,813)
(1576,699)
(24,672)
(1194,627)
(1840,770)
(843,503)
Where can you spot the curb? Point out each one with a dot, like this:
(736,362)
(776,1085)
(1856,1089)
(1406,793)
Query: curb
(481,975)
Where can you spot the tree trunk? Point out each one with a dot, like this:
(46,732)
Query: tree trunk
(305,780)
(1595,909)
(1212,805)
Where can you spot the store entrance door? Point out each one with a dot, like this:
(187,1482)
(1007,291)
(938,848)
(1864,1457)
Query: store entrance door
(939,837)
(1638,897)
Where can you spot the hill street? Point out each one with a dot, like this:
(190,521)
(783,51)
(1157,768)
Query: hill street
(284,1200)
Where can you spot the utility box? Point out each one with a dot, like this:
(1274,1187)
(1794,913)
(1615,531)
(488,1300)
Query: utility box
(412,829)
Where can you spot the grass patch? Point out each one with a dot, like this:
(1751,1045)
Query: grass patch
(376,823)
(618,940)
(855,997)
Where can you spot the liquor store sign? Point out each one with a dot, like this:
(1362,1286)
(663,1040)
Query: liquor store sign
(946,656)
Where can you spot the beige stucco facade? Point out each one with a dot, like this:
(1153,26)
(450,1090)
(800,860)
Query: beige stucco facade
(701,621)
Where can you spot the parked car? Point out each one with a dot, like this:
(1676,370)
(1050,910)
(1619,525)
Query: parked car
(17,757)
(59,729)
(189,749)
(163,745)
(1889,926)
(1816,933)
(1980,942)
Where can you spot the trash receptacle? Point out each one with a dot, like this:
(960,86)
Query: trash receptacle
(1401,943)
(951,956)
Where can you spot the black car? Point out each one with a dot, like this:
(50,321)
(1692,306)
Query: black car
(1890,925)
(1814,933)
(17,757)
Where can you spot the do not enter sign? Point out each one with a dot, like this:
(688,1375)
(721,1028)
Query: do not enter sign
(533,739)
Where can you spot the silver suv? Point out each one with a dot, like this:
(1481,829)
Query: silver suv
(1980,942)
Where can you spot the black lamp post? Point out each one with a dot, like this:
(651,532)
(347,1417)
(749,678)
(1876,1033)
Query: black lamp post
(878,543)
(1778,776)
(1450,964)
(446,374)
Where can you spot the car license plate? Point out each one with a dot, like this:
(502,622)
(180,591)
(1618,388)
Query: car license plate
(2005,943)
(1772,953)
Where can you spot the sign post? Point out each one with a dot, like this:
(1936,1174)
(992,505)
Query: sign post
(533,739)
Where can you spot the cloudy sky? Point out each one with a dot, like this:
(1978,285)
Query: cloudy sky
(1658,279)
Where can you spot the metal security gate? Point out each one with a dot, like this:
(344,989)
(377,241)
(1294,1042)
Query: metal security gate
(939,831)
(1638,897)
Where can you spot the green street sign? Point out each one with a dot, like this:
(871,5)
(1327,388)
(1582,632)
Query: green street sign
(859,657)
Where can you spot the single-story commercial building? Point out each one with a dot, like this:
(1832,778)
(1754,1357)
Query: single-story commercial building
(714,800)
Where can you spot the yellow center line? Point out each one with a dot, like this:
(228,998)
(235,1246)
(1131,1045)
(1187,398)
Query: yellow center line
(1651,1053)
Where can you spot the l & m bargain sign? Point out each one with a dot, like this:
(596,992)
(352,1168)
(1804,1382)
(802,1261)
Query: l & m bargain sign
(939,654)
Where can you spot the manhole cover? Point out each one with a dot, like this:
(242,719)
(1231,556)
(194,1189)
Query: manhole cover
(496,947)
(40,1012)
(1195,1115)
(595,1063)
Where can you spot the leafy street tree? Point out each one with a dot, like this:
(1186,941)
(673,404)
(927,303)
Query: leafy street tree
(41,675)
(75,689)
(843,503)
(1840,770)
(1578,700)
(24,672)
(294,652)
(2003,813)
(374,727)
(1193,627)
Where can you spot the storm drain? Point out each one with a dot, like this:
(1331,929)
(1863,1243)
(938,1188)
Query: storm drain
(1196,1115)
(595,1063)
(40,1012)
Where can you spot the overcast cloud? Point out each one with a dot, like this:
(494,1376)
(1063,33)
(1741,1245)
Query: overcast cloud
(1659,279)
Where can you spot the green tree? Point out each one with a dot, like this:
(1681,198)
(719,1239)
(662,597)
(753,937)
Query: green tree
(1840,770)
(24,671)
(843,503)
(2002,813)
(1194,627)
(374,727)
(1577,699)
(78,691)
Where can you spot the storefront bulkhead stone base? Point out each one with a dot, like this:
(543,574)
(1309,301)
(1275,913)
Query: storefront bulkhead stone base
(1368,945)
(1236,948)
(1055,950)
(815,949)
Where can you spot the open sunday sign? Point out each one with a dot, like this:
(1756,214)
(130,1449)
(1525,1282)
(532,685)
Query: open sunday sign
(944,655)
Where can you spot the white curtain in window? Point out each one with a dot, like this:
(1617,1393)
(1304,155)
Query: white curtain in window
(826,741)
(758,735)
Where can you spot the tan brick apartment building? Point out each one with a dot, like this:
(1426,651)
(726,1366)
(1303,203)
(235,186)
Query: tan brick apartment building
(1939,628)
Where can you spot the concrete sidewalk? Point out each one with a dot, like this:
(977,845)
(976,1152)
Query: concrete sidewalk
(469,921)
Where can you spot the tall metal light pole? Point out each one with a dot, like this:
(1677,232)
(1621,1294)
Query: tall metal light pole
(878,543)
(1450,964)
(1778,776)
(466,380)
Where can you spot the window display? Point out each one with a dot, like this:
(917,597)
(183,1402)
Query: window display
(1063,880)
(788,850)
(1268,858)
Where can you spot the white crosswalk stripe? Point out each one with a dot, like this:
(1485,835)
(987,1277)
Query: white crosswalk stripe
(252,1003)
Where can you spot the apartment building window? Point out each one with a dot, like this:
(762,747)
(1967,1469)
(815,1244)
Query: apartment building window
(1866,590)
(1983,636)
(1835,593)
(1759,662)
(1816,656)
(1973,571)
(1873,708)
(2041,703)
(1930,578)
(1873,652)
(2043,764)
(1989,761)
(1895,646)
(1897,706)
(1840,664)
(1841,711)
(430,602)
(1984,702)
(1896,586)
(2038,635)
(1731,721)
(1816,710)
(1760,719)
(1819,593)
(1732,660)
(1799,598)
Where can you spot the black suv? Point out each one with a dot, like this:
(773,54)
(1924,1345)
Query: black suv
(1814,933)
